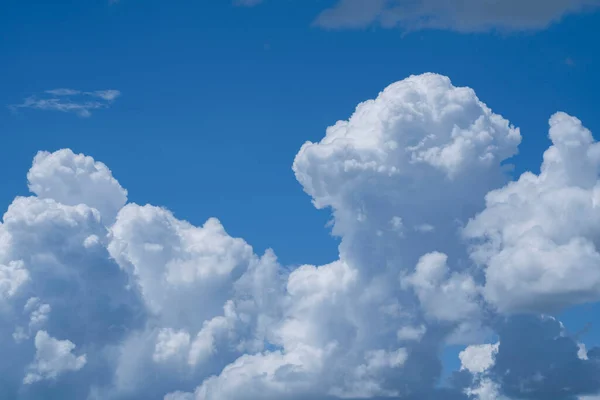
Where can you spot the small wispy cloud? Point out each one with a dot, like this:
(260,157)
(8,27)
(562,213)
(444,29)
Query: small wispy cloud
(69,100)
(247,3)
(62,92)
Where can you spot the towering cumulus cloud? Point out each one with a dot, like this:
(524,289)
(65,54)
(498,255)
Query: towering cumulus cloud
(100,299)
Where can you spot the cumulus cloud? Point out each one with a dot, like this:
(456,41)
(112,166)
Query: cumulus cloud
(448,298)
(104,299)
(53,357)
(538,236)
(468,16)
(73,179)
(12,276)
(69,100)
(478,358)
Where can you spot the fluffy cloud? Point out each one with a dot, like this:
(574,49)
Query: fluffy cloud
(73,179)
(100,299)
(53,357)
(478,358)
(12,276)
(468,16)
(538,236)
(448,298)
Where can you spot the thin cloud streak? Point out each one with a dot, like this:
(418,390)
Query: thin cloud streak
(69,101)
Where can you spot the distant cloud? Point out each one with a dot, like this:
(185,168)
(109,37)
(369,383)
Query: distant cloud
(247,3)
(108,95)
(62,92)
(69,100)
(461,16)
(464,16)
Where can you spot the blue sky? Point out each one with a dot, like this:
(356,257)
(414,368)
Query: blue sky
(216,99)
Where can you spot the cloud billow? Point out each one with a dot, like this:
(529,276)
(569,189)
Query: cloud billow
(105,299)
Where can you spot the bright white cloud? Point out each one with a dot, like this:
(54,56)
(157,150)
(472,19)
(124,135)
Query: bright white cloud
(73,179)
(478,358)
(432,240)
(538,236)
(53,357)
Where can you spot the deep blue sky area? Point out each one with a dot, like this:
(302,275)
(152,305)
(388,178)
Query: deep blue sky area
(217,100)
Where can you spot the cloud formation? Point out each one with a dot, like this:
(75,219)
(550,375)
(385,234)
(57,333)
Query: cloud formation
(460,16)
(69,100)
(538,235)
(105,299)
(52,358)
(464,16)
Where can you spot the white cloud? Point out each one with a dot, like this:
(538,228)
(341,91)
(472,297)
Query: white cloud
(421,133)
(537,236)
(469,16)
(39,312)
(73,179)
(420,137)
(448,298)
(160,307)
(177,265)
(12,277)
(478,358)
(69,100)
(53,357)
(170,344)
(486,390)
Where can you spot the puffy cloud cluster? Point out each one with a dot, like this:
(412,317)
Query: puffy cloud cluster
(72,179)
(52,358)
(104,299)
(539,234)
